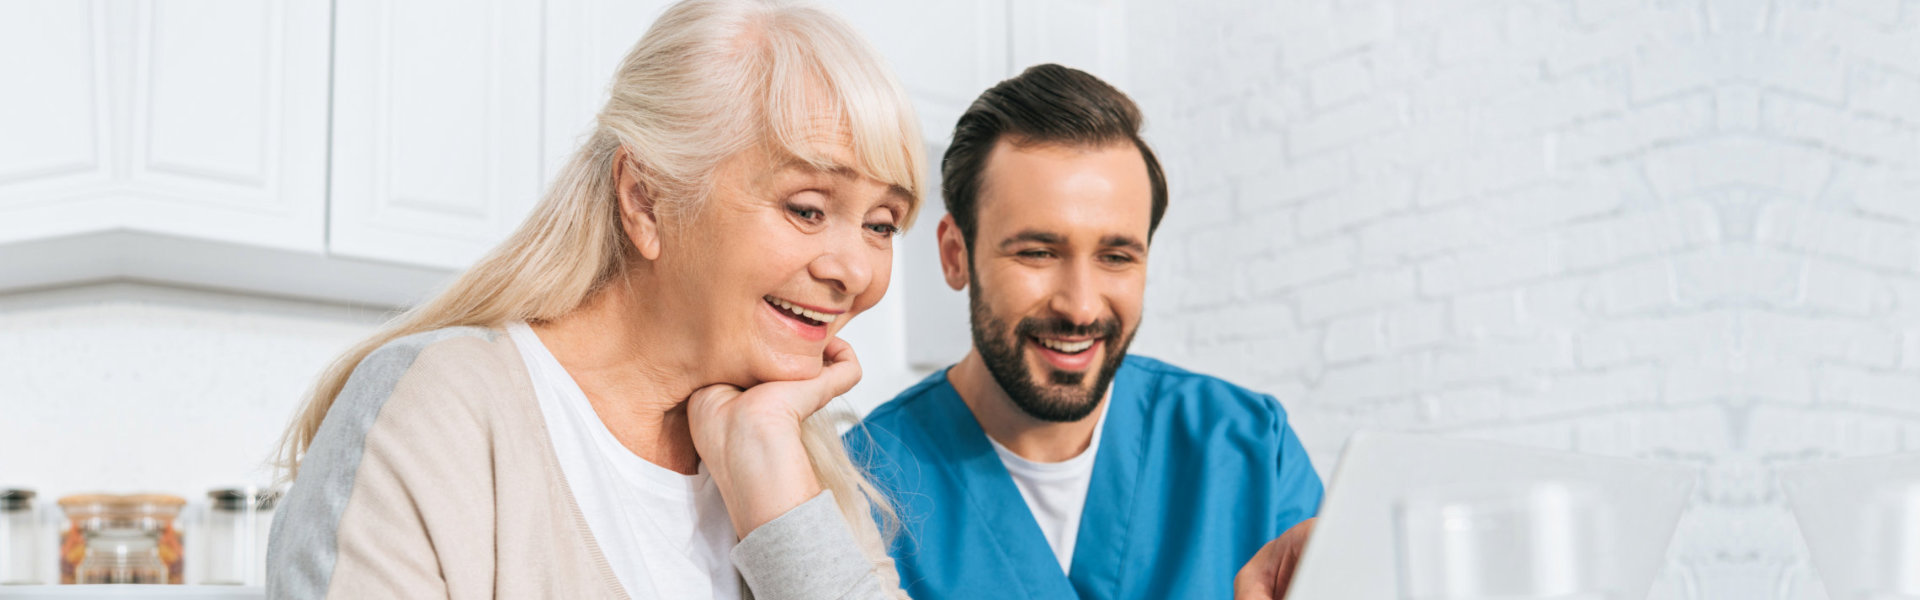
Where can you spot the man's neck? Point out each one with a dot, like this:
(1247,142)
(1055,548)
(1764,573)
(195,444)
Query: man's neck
(1030,438)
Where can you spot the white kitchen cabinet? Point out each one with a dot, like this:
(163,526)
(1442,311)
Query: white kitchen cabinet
(436,127)
(364,150)
(585,42)
(944,53)
(1090,35)
(201,119)
(174,141)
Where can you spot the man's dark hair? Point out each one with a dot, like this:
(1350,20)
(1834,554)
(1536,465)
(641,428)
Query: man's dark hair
(1047,104)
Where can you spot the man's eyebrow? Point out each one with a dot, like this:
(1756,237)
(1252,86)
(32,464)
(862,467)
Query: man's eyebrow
(1032,235)
(1123,241)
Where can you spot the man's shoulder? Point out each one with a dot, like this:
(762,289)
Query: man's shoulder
(1166,382)
(919,397)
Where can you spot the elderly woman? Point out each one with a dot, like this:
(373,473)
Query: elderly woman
(616,402)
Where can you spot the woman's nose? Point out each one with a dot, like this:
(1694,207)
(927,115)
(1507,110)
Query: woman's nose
(843,263)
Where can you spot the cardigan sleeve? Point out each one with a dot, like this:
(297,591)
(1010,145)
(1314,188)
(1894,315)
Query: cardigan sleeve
(810,553)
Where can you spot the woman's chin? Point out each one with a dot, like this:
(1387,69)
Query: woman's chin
(787,367)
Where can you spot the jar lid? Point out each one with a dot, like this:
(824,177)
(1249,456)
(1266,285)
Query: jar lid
(16,498)
(236,498)
(121,505)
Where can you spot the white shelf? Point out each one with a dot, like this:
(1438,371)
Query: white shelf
(140,256)
(171,592)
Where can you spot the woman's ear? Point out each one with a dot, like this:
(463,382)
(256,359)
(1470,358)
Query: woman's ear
(637,215)
(954,264)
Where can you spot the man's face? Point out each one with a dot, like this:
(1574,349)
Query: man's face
(1057,271)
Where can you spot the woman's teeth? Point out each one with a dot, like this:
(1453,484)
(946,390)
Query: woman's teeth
(822,318)
(1066,347)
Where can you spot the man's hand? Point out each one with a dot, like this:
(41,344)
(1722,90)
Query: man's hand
(1266,576)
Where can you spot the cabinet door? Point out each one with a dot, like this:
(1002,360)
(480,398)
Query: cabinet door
(945,53)
(1090,35)
(436,127)
(586,40)
(202,119)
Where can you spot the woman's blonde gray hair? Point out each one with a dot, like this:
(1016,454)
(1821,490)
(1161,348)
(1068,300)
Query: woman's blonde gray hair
(709,79)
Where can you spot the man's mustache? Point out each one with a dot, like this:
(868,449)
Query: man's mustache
(1058,327)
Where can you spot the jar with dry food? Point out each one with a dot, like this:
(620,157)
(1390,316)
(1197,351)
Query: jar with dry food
(112,538)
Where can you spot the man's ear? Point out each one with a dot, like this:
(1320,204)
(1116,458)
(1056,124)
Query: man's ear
(637,215)
(954,262)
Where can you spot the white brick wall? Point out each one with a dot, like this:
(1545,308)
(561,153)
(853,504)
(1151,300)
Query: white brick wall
(1684,230)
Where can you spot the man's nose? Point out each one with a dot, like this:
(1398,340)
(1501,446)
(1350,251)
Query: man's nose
(1076,297)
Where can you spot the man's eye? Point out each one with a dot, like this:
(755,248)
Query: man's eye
(1118,259)
(1036,254)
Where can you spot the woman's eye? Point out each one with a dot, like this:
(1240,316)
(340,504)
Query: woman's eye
(884,229)
(806,213)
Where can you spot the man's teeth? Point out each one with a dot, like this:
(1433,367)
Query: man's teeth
(815,315)
(1067,347)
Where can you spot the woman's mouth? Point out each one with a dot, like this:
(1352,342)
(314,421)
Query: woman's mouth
(803,314)
(810,323)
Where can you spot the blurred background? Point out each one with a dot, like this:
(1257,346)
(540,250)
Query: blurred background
(1680,230)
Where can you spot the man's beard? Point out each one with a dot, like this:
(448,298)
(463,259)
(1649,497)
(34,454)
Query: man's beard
(1003,349)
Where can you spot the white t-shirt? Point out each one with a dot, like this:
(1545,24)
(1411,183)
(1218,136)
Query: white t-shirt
(1055,492)
(666,535)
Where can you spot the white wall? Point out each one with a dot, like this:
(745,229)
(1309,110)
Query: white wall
(1678,230)
(126,387)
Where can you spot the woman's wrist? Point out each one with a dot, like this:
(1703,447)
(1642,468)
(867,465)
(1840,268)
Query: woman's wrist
(762,473)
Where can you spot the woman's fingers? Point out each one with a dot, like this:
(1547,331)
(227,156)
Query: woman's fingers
(1255,580)
(711,393)
(842,371)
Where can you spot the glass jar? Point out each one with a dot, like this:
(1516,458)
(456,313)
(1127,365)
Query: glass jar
(121,539)
(234,537)
(1520,541)
(19,538)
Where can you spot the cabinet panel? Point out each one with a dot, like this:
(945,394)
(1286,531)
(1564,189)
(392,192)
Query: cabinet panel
(57,145)
(1090,35)
(195,118)
(586,40)
(209,91)
(50,49)
(945,53)
(437,120)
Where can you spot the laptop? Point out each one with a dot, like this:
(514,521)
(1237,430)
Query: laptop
(1423,517)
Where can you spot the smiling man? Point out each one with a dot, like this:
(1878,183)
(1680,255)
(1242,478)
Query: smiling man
(1049,463)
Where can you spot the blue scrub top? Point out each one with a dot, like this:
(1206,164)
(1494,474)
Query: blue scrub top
(1193,476)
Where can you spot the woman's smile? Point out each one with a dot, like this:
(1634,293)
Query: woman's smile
(809,322)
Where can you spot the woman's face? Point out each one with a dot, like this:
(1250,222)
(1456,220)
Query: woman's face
(778,260)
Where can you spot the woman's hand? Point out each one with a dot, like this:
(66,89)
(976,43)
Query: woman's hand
(750,439)
(1268,575)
